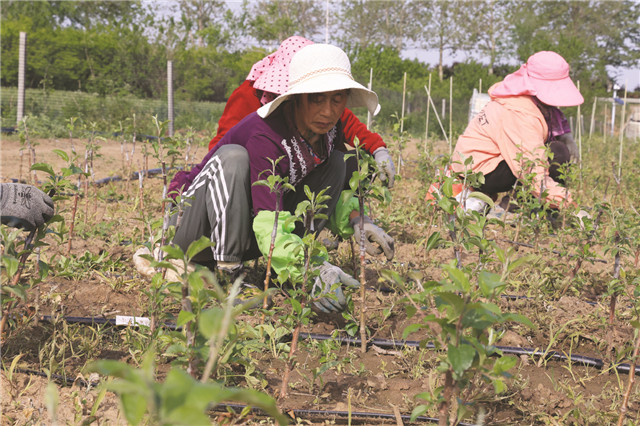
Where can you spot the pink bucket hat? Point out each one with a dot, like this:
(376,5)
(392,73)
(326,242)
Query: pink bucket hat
(271,74)
(545,76)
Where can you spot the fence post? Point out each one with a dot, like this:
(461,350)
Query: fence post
(369,87)
(22,64)
(170,95)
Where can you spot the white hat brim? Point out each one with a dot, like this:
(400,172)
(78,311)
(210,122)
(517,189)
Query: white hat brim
(328,82)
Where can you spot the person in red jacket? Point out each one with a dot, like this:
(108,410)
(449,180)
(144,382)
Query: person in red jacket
(269,78)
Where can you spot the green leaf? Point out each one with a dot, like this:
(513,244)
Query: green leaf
(173,252)
(411,328)
(460,358)
(184,317)
(210,321)
(18,290)
(134,407)
(459,279)
(43,167)
(504,364)
(489,282)
(62,154)
(10,265)
(297,307)
(197,246)
(434,240)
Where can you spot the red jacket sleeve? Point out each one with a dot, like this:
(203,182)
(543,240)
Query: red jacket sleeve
(354,127)
(242,102)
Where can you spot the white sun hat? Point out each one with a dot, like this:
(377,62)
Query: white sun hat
(318,68)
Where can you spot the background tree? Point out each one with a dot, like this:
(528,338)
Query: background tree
(486,31)
(589,34)
(271,21)
(442,29)
(365,23)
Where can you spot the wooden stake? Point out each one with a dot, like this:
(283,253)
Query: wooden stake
(450,114)
(426,129)
(404,94)
(624,108)
(369,87)
(435,111)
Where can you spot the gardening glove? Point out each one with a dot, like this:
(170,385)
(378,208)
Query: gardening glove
(385,165)
(329,277)
(376,241)
(570,143)
(24,206)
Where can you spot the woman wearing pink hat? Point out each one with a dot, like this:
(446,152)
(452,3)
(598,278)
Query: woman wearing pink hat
(269,78)
(518,124)
(302,129)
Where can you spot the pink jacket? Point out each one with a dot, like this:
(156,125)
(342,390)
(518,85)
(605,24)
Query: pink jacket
(503,129)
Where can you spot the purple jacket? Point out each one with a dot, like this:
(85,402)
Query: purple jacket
(264,139)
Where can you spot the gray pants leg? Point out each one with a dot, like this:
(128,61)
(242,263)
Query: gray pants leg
(329,175)
(218,206)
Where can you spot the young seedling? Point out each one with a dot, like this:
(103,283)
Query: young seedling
(298,296)
(362,186)
(466,315)
(277,185)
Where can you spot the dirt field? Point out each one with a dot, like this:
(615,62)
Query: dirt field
(97,279)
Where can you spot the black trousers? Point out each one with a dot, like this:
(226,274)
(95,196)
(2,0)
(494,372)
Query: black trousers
(502,179)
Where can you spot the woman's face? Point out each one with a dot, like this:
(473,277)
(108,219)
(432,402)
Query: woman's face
(319,112)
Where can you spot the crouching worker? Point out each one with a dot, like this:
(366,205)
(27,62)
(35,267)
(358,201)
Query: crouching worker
(302,127)
(514,129)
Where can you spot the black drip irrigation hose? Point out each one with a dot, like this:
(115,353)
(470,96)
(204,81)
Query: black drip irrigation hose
(507,350)
(332,413)
(591,259)
(68,381)
(582,360)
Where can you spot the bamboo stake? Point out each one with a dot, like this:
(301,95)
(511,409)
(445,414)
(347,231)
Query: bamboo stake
(404,94)
(604,126)
(480,86)
(426,131)
(592,123)
(435,111)
(624,108)
(579,132)
(450,114)
(369,87)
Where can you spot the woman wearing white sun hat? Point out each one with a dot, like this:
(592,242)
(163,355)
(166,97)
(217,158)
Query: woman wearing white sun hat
(302,127)
(518,124)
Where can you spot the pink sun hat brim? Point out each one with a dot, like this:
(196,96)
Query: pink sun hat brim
(545,76)
(271,74)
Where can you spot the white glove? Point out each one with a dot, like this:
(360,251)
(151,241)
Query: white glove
(385,165)
(376,241)
(328,277)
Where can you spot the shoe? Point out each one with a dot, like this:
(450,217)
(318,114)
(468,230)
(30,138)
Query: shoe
(471,203)
(229,273)
(143,266)
(497,212)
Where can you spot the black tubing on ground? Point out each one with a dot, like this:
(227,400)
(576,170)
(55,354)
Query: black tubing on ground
(508,350)
(582,360)
(342,414)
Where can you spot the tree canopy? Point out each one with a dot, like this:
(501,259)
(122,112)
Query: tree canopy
(107,46)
